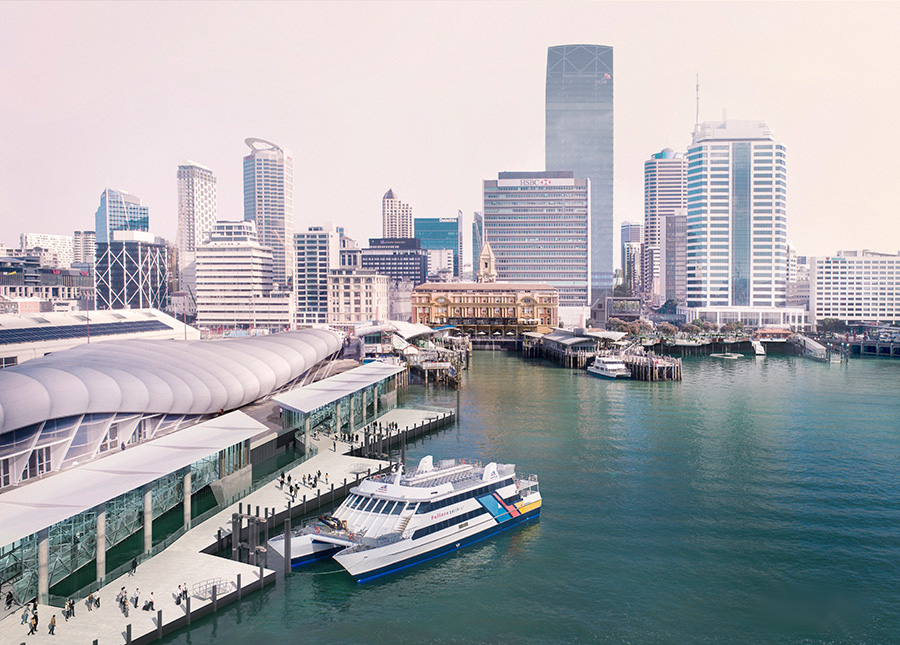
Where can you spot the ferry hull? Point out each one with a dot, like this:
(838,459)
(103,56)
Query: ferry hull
(363,569)
(305,549)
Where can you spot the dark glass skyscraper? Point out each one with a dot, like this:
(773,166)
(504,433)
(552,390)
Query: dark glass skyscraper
(579,137)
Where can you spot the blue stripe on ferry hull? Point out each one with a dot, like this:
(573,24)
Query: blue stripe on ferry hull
(314,557)
(449,548)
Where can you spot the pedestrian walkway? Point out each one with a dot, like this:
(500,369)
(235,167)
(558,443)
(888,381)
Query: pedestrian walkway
(185,563)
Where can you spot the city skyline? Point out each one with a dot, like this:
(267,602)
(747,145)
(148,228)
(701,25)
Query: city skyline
(823,95)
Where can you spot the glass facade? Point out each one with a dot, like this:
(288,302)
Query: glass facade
(441,233)
(579,137)
(740,224)
(119,211)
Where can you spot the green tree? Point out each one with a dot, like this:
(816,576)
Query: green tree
(831,325)
(691,329)
(666,329)
(622,291)
(668,307)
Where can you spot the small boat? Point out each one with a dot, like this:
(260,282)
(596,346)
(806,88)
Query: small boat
(390,522)
(728,356)
(758,347)
(609,367)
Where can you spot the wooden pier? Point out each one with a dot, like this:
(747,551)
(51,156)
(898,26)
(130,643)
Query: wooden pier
(648,366)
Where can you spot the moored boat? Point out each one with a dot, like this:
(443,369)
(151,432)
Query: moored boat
(609,367)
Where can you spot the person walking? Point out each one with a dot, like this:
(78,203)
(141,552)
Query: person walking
(25,614)
(66,610)
(9,599)
(52,624)
(185,591)
(137,597)
(152,605)
(90,601)
(32,626)
(71,607)
(133,566)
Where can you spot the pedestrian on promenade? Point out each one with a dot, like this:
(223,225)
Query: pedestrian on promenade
(32,626)
(90,601)
(326,479)
(184,592)
(71,607)
(334,447)
(66,610)
(152,605)
(25,614)
(282,479)
(289,480)
(9,599)
(180,595)
(137,597)
(133,566)
(52,624)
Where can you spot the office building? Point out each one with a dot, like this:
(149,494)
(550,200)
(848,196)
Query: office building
(397,258)
(538,226)
(396,217)
(351,254)
(84,251)
(355,296)
(235,287)
(855,287)
(737,218)
(436,233)
(631,266)
(119,211)
(269,203)
(477,239)
(132,272)
(318,253)
(665,192)
(632,234)
(671,283)
(579,138)
(24,277)
(440,265)
(62,246)
(196,216)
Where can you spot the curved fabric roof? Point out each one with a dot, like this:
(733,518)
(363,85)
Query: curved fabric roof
(158,376)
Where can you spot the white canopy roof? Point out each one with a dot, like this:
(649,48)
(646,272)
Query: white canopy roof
(314,396)
(157,376)
(43,503)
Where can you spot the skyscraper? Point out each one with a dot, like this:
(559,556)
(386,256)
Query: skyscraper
(132,272)
(437,233)
(632,234)
(665,192)
(396,217)
(269,203)
(736,219)
(579,137)
(318,253)
(196,216)
(85,247)
(538,226)
(119,211)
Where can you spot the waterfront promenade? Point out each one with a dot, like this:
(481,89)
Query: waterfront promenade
(185,563)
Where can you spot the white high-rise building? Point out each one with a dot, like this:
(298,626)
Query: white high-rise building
(85,247)
(855,287)
(318,253)
(737,217)
(396,217)
(234,282)
(665,192)
(269,203)
(196,216)
(62,246)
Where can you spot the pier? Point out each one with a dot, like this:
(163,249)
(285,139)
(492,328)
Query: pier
(194,557)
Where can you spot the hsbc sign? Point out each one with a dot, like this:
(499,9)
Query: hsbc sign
(536,182)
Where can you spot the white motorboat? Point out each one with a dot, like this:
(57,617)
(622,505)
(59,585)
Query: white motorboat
(609,367)
(390,522)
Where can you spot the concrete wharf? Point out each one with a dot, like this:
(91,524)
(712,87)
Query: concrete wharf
(215,581)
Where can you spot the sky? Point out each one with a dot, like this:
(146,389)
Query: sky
(429,99)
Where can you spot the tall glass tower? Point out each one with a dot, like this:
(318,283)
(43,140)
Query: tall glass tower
(736,218)
(269,203)
(579,137)
(119,211)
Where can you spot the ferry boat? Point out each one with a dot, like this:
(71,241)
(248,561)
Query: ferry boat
(609,367)
(393,521)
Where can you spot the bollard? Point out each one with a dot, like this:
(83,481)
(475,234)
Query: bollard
(215,599)
(128,634)
(287,546)
(219,541)
(257,510)
(159,623)
(187,609)
(260,576)
(240,508)
(239,586)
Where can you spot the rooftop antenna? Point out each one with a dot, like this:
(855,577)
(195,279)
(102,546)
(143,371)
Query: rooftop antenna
(697,119)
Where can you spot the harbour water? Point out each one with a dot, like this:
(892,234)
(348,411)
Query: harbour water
(756,501)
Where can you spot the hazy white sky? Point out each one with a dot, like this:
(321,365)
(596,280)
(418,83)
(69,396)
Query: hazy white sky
(430,98)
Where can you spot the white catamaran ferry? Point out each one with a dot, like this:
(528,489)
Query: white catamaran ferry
(390,522)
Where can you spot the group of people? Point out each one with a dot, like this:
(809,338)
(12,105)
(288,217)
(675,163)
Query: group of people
(310,481)
(124,601)
(30,617)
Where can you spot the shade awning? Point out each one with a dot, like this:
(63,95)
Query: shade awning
(316,395)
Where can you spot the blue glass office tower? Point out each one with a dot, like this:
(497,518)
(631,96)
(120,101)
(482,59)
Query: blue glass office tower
(579,137)
(119,211)
(441,233)
(736,217)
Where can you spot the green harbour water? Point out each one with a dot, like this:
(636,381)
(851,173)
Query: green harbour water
(757,501)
